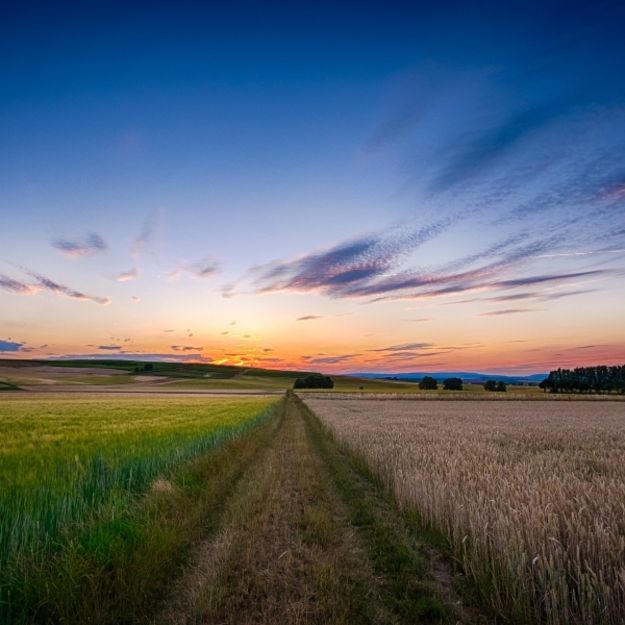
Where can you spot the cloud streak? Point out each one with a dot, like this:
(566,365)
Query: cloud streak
(16,286)
(484,150)
(330,360)
(186,348)
(402,347)
(127,276)
(507,311)
(344,269)
(369,267)
(59,289)
(43,283)
(149,356)
(86,246)
(148,233)
(204,268)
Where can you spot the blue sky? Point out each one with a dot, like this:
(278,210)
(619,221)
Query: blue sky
(362,167)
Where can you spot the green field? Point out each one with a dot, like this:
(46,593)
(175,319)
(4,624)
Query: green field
(169,509)
(72,472)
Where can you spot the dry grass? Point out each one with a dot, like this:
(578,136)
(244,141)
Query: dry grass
(530,495)
(281,555)
(472,392)
(306,540)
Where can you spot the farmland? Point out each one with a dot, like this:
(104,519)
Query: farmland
(167,497)
(72,472)
(528,495)
(200,509)
(119,376)
(75,376)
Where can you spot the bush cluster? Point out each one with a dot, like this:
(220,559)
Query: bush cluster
(314,380)
(452,384)
(428,384)
(494,385)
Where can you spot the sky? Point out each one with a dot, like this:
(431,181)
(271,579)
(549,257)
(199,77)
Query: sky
(384,187)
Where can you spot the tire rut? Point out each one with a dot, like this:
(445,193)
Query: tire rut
(304,539)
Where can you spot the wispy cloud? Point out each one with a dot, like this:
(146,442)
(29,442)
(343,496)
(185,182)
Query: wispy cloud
(204,268)
(149,356)
(491,144)
(547,278)
(16,286)
(507,311)
(346,268)
(109,348)
(410,355)
(186,348)
(309,318)
(371,267)
(402,347)
(331,360)
(43,283)
(59,289)
(563,294)
(127,276)
(85,246)
(540,164)
(526,295)
(147,234)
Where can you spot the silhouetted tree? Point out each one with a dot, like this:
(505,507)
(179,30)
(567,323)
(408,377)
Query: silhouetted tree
(490,385)
(314,380)
(452,384)
(428,383)
(600,379)
(501,387)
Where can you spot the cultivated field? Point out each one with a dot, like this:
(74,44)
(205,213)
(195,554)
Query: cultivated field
(171,498)
(74,473)
(530,495)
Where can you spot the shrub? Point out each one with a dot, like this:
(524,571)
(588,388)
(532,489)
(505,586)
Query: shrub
(428,384)
(452,384)
(314,380)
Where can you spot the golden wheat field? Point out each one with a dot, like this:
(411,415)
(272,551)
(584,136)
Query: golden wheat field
(530,495)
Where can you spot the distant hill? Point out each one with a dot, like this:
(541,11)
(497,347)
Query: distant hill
(171,375)
(467,376)
(166,376)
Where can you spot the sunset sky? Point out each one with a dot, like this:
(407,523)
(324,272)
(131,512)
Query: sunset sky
(371,187)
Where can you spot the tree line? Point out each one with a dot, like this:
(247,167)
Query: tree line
(428,383)
(600,379)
